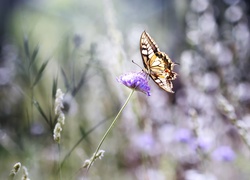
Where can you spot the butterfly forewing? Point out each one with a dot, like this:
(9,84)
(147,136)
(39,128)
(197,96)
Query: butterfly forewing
(158,65)
(148,48)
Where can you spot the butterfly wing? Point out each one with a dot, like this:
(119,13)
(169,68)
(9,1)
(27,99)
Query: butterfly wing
(158,65)
(148,48)
(161,81)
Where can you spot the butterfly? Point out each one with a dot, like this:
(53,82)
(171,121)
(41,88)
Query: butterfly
(157,64)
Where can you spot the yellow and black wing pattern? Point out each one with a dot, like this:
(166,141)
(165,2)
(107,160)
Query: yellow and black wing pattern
(158,65)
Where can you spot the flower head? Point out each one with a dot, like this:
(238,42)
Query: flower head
(223,153)
(202,144)
(137,81)
(15,169)
(59,101)
(100,154)
(144,142)
(86,163)
(89,162)
(25,174)
(184,136)
(57,132)
(60,115)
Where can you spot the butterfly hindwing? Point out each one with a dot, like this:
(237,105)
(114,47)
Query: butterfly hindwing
(161,81)
(158,65)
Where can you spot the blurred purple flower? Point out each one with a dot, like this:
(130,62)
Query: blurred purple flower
(223,153)
(144,142)
(201,144)
(183,135)
(137,81)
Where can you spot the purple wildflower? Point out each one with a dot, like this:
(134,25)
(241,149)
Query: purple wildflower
(137,81)
(144,142)
(223,153)
(202,144)
(183,136)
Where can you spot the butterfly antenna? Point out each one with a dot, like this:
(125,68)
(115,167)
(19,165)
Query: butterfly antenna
(137,64)
(143,69)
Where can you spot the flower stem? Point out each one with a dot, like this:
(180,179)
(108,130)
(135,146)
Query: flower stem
(110,127)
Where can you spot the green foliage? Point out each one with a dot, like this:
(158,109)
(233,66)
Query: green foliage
(40,73)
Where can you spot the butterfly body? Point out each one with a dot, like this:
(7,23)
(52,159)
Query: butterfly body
(157,64)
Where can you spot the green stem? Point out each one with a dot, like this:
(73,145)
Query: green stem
(60,172)
(110,127)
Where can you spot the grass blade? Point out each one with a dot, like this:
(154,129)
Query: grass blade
(39,108)
(34,55)
(26,47)
(54,87)
(79,85)
(40,73)
(82,80)
(65,79)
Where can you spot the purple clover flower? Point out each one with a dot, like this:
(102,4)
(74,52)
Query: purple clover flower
(223,153)
(135,80)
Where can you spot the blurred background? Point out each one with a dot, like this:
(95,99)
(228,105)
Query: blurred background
(200,132)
